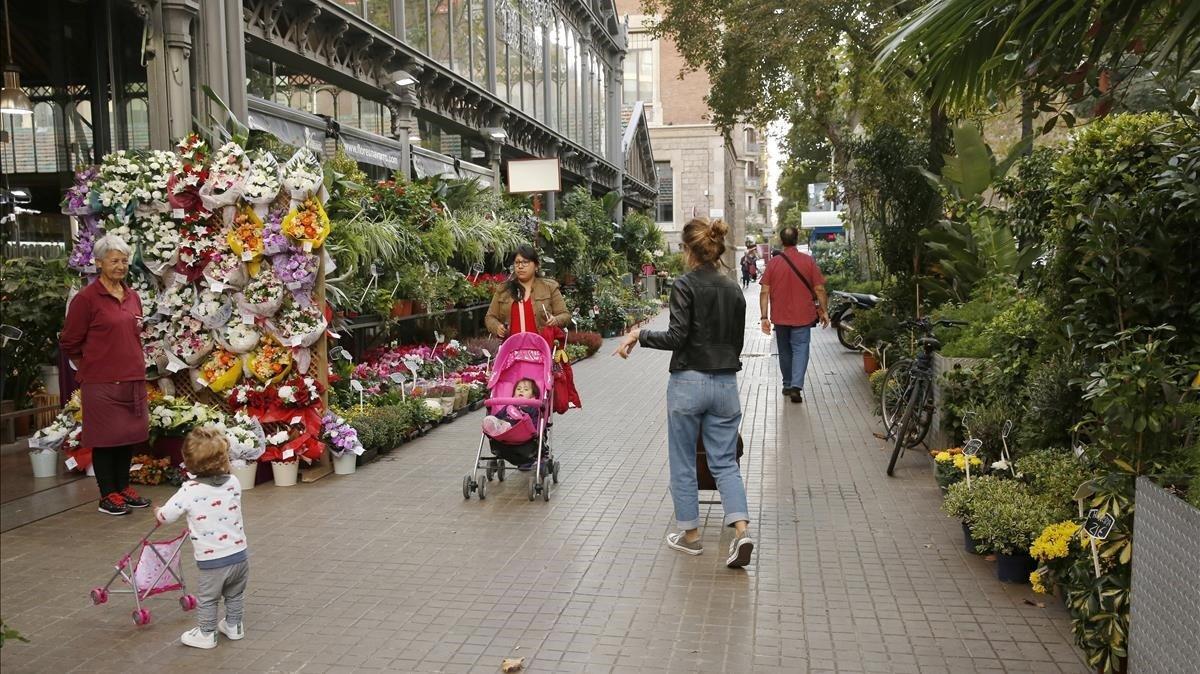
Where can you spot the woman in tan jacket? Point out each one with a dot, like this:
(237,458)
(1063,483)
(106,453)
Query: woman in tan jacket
(526,303)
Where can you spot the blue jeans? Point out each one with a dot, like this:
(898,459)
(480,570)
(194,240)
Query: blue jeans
(793,354)
(700,402)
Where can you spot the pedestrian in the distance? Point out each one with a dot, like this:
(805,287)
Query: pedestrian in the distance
(705,335)
(212,502)
(794,289)
(749,267)
(102,338)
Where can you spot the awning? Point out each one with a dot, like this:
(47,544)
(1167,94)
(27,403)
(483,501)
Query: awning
(371,149)
(429,163)
(293,127)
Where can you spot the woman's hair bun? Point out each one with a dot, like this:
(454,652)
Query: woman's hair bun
(717,230)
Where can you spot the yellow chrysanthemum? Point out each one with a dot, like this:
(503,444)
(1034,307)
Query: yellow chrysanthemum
(1035,579)
(942,457)
(1054,542)
(960,461)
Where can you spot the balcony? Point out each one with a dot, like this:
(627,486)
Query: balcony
(753,148)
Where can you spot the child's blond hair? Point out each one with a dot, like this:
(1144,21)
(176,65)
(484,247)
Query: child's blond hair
(206,452)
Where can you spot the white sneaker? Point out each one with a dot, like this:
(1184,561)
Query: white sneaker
(234,633)
(740,551)
(196,638)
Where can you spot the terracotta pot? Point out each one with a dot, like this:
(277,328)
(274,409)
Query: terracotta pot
(402,308)
(870,362)
(419,308)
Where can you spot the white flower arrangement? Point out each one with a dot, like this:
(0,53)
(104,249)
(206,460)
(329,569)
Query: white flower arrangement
(302,175)
(264,295)
(213,309)
(263,181)
(117,181)
(151,190)
(226,177)
(190,340)
(177,300)
(226,270)
(299,325)
(290,393)
(160,243)
(154,349)
(50,438)
(178,416)
(278,438)
(239,337)
(247,441)
(119,228)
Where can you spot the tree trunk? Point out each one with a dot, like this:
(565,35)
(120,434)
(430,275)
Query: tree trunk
(1027,123)
(939,138)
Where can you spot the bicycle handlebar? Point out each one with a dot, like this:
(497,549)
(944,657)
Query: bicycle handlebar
(926,324)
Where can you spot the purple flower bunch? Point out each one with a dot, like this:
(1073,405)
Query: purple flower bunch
(81,253)
(296,269)
(274,241)
(340,435)
(77,200)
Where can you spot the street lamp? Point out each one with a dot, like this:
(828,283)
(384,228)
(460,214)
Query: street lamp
(495,133)
(403,78)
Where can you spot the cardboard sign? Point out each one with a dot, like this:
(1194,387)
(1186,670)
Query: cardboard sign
(72,464)
(1099,526)
(288,453)
(356,385)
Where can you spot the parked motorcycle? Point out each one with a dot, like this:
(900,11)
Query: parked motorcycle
(842,316)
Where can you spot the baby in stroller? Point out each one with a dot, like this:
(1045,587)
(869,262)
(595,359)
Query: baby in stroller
(507,417)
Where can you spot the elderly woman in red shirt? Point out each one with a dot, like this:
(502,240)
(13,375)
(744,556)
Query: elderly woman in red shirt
(102,338)
(527,303)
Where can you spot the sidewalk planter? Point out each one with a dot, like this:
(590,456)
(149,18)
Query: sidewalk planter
(1014,568)
(402,308)
(367,456)
(45,464)
(937,438)
(870,362)
(246,475)
(286,472)
(345,464)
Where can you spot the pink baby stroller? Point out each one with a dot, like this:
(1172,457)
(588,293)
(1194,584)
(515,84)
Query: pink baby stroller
(156,570)
(525,355)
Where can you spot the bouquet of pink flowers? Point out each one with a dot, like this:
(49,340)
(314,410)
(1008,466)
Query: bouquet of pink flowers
(225,270)
(190,340)
(226,177)
(299,325)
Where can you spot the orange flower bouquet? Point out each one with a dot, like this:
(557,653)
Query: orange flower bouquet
(221,371)
(308,224)
(268,363)
(246,237)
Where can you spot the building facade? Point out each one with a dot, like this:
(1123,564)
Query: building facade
(452,87)
(700,171)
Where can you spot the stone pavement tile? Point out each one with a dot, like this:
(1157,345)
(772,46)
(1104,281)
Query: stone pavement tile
(391,570)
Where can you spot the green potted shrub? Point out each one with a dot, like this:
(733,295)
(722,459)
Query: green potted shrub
(961,501)
(34,295)
(1006,520)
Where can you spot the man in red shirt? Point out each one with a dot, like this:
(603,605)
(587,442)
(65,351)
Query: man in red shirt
(794,288)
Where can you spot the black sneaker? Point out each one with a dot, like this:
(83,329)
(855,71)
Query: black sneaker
(788,391)
(797,395)
(132,500)
(113,504)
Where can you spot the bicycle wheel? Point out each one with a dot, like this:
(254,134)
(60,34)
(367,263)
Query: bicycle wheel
(922,420)
(894,393)
(916,400)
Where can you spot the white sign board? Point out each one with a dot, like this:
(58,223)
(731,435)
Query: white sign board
(534,175)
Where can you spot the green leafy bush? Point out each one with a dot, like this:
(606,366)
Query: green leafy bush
(1054,474)
(34,294)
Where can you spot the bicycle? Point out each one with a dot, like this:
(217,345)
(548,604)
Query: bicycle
(907,395)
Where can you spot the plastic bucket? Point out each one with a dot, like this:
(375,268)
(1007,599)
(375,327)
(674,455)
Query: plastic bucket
(45,464)
(286,472)
(246,475)
(1014,568)
(345,464)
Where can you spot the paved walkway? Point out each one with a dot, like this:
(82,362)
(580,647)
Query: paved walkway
(390,569)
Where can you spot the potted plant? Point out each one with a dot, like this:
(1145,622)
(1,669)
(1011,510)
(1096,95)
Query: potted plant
(1006,520)
(961,503)
(34,294)
(247,442)
(950,466)
(343,443)
(285,464)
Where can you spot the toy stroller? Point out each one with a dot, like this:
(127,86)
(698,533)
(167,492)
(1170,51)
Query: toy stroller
(524,355)
(156,570)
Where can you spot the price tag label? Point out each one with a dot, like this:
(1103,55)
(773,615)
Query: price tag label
(72,464)
(135,467)
(486,353)
(396,378)
(247,256)
(294,285)
(288,454)
(247,319)
(356,385)
(439,337)
(308,246)
(216,286)
(295,420)
(1099,526)
(972,447)
(178,213)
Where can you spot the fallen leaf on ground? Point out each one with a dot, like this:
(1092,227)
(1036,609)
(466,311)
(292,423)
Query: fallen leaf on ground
(990,558)
(928,545)
(512,664)
(1039,604)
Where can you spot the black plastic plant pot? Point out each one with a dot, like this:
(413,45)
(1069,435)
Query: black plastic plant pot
(1014,568)
(969,541)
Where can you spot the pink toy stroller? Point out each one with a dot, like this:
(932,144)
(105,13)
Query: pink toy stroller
(156,570)
(524,355)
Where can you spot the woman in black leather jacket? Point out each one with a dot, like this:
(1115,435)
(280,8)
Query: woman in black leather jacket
(705,333)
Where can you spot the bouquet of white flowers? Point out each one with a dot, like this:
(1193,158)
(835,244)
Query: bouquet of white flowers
(225,270)
(239,337)
(151,190)
(247,441)
(212,309)
(173,416)
(189,340)
(262,296)
(298,325)
(303,177)
(177,300)
(129,179)
(263,182)
(154,346)
(159,243)
(50,438)
(226,177)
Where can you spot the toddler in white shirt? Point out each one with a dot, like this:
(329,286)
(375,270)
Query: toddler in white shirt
(212,501)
